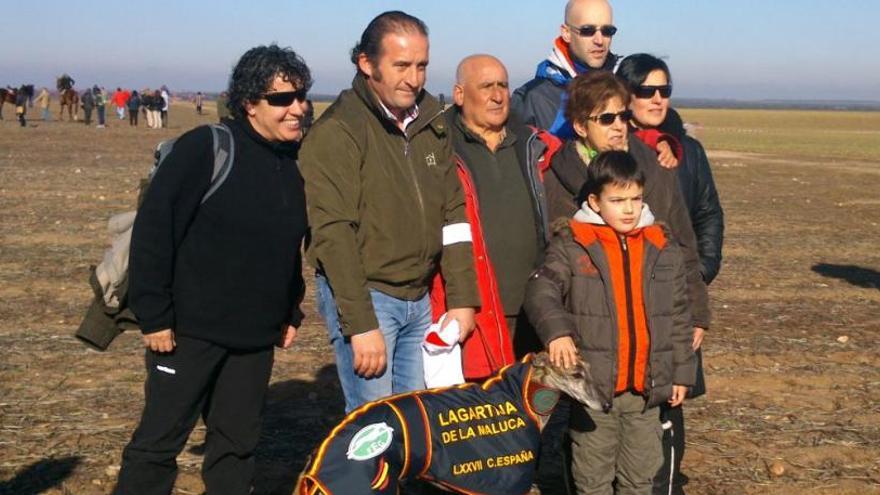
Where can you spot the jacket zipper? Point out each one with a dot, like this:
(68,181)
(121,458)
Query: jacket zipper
(418,190)
(415,178)
(533,178)
(630,316)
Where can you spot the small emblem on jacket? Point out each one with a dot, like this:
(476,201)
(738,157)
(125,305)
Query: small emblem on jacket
(430,160)
(586,266)
(370,441)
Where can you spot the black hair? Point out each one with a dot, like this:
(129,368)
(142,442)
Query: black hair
(392,21)
(610,167)
(635,68)
(256,70)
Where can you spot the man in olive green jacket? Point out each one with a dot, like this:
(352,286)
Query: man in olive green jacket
(386,212)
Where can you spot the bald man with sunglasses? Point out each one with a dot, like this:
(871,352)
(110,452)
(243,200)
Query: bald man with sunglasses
(583,45)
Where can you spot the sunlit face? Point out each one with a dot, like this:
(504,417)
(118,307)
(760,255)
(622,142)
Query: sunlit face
(604,137)
(483,95)
(592,50)
(398,76)
(619,205)
(276,123)
(651,112)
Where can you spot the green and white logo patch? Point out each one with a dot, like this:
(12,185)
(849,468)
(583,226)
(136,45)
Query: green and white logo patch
(370,441)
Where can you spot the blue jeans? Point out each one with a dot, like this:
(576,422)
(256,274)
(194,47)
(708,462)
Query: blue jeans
(403,324)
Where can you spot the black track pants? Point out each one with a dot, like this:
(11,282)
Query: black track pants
(198,377)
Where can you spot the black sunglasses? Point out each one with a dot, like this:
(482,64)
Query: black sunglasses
(284,98)
(609,118)
(589,30)
(645,92)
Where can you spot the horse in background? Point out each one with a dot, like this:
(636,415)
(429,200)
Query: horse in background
(67,96)
(9,95)
(70,99)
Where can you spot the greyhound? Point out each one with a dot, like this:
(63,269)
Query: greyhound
(471,438)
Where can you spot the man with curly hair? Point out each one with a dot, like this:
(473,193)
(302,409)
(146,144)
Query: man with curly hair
(215,281)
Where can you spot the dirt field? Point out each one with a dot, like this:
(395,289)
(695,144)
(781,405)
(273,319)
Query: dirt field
(792,359)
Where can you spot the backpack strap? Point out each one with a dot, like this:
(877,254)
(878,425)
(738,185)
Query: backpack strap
(224,155)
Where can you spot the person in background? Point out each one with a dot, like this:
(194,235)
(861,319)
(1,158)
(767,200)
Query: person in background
(166,103)
(120,98)
(198,102)
(87,101)
(134,101)
(100,104)
(650,81)
(21,102)
(43,102)
(156,104)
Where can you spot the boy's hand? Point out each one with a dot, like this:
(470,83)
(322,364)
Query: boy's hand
(678,393)
(699,333)
(562,352)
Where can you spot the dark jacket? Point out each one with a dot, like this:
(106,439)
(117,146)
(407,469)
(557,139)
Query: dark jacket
(134,101)
(571,295)
(568,173)
(699,192)
(541,101)
(227,271)
(701,198)
(379,202)
(87,99)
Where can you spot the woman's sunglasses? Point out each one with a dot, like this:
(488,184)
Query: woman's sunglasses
(646,92)
(609,118)
(284,98)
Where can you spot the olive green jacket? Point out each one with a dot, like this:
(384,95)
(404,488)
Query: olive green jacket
(380,202)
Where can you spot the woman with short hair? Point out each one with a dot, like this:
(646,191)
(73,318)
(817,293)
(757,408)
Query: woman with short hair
(215,279)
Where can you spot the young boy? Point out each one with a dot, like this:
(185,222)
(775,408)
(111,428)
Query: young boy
(615,283)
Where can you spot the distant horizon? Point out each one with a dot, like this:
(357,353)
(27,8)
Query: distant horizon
(744,50)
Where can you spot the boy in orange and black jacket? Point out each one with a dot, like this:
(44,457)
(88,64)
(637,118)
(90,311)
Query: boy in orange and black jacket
(615,283)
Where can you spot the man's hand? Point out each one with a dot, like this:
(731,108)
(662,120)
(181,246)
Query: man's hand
(466,323)
(665,155)
(288,335)
(698,337)
(369,353)
(563,352)
(161,341)
(678,393)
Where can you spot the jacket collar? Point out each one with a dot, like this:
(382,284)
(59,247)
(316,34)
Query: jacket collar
(561,66)
(472,137)
(429,108)
(276,147)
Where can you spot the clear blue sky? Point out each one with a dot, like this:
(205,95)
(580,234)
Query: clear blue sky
(746,49)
